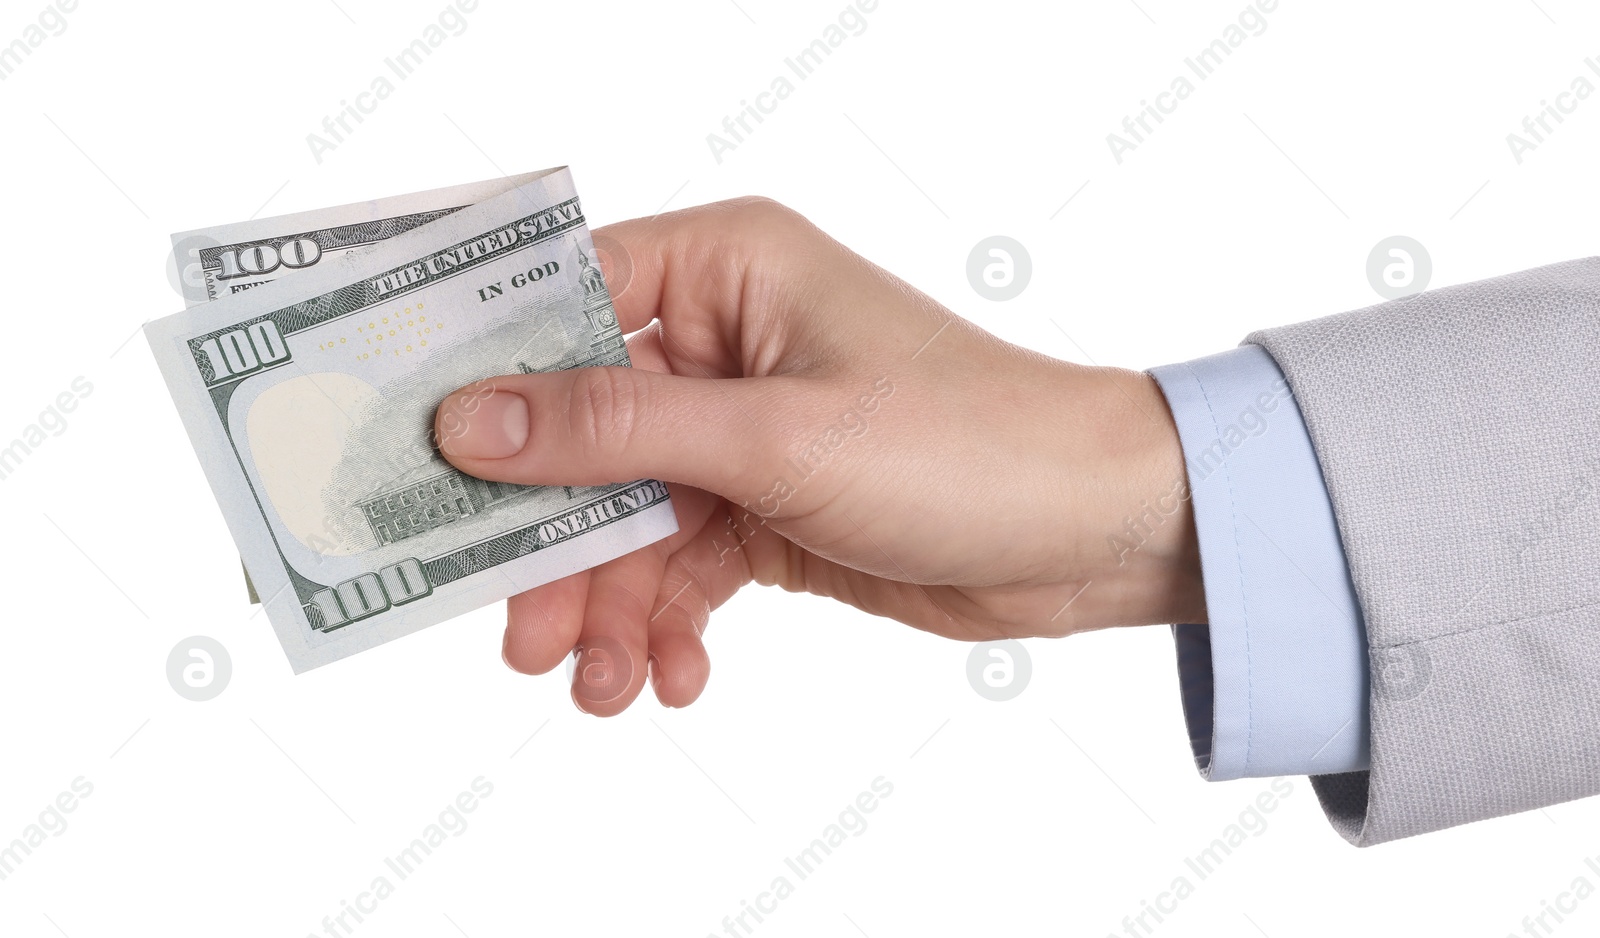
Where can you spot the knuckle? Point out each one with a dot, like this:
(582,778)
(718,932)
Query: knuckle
(606,410)
(768,212)
(759,204)
(755,213)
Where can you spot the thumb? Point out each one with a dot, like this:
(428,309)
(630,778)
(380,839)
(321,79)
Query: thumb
(595,426)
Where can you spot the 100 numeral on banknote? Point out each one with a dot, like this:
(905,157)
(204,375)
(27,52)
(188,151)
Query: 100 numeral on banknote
(310,401)
(223,260)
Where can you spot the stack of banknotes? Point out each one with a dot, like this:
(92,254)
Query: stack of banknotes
(307,368)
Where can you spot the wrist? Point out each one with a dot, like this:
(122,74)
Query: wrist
(1142,554)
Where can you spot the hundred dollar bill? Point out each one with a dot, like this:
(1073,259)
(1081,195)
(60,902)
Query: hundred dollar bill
(210,263)
(310,402)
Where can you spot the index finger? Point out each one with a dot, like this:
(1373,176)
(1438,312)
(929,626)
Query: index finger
(698,268)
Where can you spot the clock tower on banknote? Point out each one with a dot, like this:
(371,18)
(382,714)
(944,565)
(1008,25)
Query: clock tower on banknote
(608,347)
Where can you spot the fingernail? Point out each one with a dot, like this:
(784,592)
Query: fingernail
(496,427)
(603,673)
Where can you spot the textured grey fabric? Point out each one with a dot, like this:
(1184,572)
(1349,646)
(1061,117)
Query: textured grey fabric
(1459,434)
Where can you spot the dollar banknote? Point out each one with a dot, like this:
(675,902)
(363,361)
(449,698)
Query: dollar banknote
(222,260)
(210,263)
(310,402)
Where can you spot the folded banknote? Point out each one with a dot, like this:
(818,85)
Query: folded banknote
(309,398)
(210,263)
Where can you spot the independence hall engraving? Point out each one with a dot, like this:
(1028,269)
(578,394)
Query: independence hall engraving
(431,502)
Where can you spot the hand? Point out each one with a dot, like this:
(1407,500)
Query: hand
(825,427)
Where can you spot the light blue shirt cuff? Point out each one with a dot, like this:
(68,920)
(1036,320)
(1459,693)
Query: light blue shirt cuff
(1276,684)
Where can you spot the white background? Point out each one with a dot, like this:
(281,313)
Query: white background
(259,812)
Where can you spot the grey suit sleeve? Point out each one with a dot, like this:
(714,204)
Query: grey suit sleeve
(1458,432)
